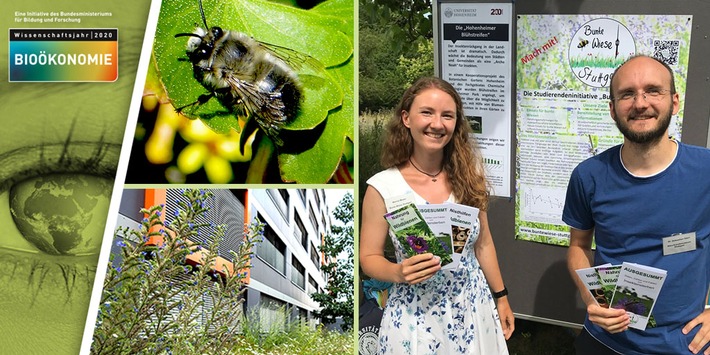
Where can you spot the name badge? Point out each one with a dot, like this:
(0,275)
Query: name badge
(679,243)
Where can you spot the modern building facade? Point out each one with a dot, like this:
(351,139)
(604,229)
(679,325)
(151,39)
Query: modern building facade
(286,266)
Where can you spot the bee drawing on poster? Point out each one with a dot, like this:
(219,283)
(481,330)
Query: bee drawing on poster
(597,47)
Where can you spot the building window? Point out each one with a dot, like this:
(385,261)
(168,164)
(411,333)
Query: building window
(300,232)
(312,285)
(316,193)
(280,199)
(298,273)
(272,250)
(315,257)
(284,195)
(312,216)
(302,192)
(272,313)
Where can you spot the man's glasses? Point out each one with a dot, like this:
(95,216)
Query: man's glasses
(650,95)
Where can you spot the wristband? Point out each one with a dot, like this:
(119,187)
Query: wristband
(500,294)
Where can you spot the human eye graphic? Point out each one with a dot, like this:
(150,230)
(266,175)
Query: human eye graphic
(54,203)
(54,199)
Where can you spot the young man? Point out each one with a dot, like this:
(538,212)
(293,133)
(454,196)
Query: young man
(631,198)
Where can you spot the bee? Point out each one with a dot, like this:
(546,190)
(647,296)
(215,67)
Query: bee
(250,78)
(583,43)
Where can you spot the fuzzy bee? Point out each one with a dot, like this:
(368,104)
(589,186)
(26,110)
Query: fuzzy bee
(249,78)
(583,43)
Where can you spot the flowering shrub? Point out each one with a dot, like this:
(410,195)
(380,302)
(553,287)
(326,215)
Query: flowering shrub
(154,302)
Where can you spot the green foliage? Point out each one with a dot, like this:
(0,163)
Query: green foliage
(292,338)
(380,80)
(535,338)
(152,299)
(406,20)
(324,72)
(393,35)
(337,300)
(418,65)
(372,134)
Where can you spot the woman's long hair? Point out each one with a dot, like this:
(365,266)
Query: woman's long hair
(463,162)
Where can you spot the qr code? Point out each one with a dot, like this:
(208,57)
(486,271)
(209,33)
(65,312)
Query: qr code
(666,51)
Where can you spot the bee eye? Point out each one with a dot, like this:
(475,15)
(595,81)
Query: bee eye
(217,32)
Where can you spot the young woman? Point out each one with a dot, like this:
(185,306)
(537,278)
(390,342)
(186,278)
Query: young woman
(430,310)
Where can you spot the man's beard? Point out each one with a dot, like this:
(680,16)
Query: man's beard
(646,137)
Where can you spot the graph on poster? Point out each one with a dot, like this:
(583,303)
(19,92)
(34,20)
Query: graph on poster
(543,205)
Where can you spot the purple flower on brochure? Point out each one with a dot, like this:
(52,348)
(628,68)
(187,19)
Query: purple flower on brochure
(444,246)
(631,305)
(417,243)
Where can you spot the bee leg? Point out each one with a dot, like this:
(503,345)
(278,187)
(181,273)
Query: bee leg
(298,141)
(200,101)
(250,126)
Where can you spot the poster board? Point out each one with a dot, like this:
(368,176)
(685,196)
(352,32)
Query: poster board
(536,274)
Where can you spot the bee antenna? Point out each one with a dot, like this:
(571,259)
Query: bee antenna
(202,12)
(187,35)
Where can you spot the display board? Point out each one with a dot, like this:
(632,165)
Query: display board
(536,274)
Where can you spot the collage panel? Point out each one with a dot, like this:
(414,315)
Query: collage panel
(233,271)
(248,92)
(60,141)
(264,267)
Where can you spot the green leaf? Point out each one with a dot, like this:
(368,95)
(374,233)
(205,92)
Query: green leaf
(337,13)
(318,164)
(304,31)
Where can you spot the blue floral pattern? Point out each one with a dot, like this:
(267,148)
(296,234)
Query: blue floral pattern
(451,313)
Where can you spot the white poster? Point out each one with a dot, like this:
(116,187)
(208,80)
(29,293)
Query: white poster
(475,57)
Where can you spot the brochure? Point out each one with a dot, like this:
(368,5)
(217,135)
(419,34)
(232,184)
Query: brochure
(636,291)
(437,216)
(415,236)
(463,220)
(608,274)
(592,281)
(68,73)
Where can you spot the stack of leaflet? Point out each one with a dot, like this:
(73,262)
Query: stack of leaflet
(628,286)
(441,229)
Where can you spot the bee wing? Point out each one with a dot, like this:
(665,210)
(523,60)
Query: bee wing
(299,62)
(266,107)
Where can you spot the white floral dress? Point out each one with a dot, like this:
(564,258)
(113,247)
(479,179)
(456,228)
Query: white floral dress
(451,313)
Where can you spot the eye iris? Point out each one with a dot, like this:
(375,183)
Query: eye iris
(61,214)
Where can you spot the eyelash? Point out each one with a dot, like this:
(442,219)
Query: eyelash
(71,157)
